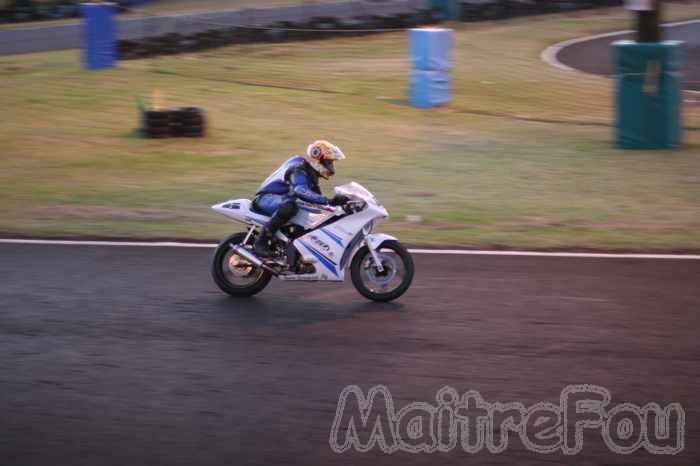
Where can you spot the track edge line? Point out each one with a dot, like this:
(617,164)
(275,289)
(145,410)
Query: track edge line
(453,252)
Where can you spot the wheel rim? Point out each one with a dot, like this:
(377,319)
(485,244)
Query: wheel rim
(387,281)
(238,271)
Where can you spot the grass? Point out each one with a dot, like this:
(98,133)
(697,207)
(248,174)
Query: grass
(72,163)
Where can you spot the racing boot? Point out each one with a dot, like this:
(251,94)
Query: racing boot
(261,247)
(282,216)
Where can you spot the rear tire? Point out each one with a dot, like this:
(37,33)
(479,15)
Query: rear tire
(360,272)
(226,266)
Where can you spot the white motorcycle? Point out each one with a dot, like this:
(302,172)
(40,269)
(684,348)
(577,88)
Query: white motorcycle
(318,244)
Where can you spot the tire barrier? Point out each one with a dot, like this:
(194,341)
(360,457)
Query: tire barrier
(317,28)
(177,122)
(489,10)
(324,27)
(18,11)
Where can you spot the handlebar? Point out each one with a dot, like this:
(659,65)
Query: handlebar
(353,206)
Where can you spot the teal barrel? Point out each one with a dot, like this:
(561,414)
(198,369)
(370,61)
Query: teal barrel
(446,9)
(648,94)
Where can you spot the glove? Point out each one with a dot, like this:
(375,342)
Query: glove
(338,199)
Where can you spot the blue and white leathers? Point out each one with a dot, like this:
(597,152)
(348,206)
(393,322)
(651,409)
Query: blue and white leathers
(332,235)
(293,178)
(276,183)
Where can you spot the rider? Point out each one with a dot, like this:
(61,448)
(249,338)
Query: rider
(297,178)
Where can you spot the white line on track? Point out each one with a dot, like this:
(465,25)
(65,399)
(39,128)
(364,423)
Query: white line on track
(549,55)
(453,252)
(469,252)
(140,244)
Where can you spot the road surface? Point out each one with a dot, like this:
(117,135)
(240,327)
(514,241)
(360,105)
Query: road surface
(596,55)
(131,356)
(68,36)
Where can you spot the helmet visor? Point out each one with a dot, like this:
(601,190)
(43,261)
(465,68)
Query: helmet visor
(328,165)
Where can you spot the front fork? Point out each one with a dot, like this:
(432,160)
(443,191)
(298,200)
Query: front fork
(251,229)
(374,241)
(375,256)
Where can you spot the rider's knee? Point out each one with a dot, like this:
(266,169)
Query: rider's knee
(287,210)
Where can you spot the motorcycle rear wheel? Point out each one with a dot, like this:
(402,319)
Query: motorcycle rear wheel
(384,286)
(233,274)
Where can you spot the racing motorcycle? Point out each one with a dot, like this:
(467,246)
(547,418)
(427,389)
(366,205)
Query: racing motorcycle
(318,244)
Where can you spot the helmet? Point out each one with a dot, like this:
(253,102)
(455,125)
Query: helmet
(321,155)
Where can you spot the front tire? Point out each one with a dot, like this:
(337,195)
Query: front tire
(389,284)
(233,274)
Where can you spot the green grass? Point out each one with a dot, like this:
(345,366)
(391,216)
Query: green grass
(71,163)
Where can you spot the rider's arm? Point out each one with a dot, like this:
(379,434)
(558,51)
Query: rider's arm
(302,188)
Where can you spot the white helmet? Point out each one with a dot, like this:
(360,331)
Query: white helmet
(321,155)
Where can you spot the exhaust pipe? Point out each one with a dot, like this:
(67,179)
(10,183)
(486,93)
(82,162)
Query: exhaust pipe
(252,258)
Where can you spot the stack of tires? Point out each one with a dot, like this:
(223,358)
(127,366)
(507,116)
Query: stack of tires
(183,122)
(188,122)
(156,123)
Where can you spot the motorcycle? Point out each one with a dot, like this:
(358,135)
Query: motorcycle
(318,244)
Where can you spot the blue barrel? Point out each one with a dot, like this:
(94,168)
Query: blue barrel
(431,48)
(431,61)
(99,35)
(429,88)
(648,94)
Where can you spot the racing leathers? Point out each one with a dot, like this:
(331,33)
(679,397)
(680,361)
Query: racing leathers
(276,197)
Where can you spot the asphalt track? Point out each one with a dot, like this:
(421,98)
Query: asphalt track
(131,356)
(596,55)
(68,36)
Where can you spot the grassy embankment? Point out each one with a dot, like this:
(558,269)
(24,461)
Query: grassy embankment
(72,164)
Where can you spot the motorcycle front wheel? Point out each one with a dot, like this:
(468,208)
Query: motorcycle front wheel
(235,275)
(392,281)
